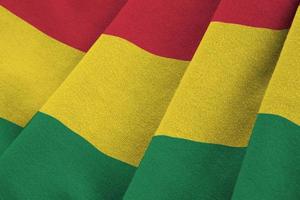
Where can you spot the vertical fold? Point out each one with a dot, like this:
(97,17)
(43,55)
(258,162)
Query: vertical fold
(41,42)
(199,146)
(271,169)
(89,137)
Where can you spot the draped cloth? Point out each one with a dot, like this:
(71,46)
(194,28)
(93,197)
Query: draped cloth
(149,100)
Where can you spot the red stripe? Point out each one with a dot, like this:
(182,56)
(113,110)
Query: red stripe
(77,23)
(170,28)
(273,14)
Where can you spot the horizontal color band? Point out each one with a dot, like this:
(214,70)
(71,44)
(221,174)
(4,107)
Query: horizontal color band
(273,14)
(270,170)
(48,161)
(181,169)
(283,93)
(74,22)
(158,27)
(8,132)
(221,91)
(32,66)
(116,97)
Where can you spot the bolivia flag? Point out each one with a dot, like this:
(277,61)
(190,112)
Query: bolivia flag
(149,100)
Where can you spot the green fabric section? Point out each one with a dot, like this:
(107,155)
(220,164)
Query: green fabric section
(48,161)
(8,132)
(182,169)
(271,169)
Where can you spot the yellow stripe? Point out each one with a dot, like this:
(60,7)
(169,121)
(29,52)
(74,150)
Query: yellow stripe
(220,93)
(32,66)
(283,93)
(116,97)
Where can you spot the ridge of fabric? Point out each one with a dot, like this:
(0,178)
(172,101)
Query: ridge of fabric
(115,78)
(33,64)
(276,134)
(215,105)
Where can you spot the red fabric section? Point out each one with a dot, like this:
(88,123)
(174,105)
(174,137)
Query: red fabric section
(170,28)
(273,14)
(74,22)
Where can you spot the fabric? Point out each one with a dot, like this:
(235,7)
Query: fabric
(149,100)
(41,42)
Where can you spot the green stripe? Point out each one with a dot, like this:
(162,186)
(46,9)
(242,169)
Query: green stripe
(8,133)
(271,169)
(184,170)
(49,161)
